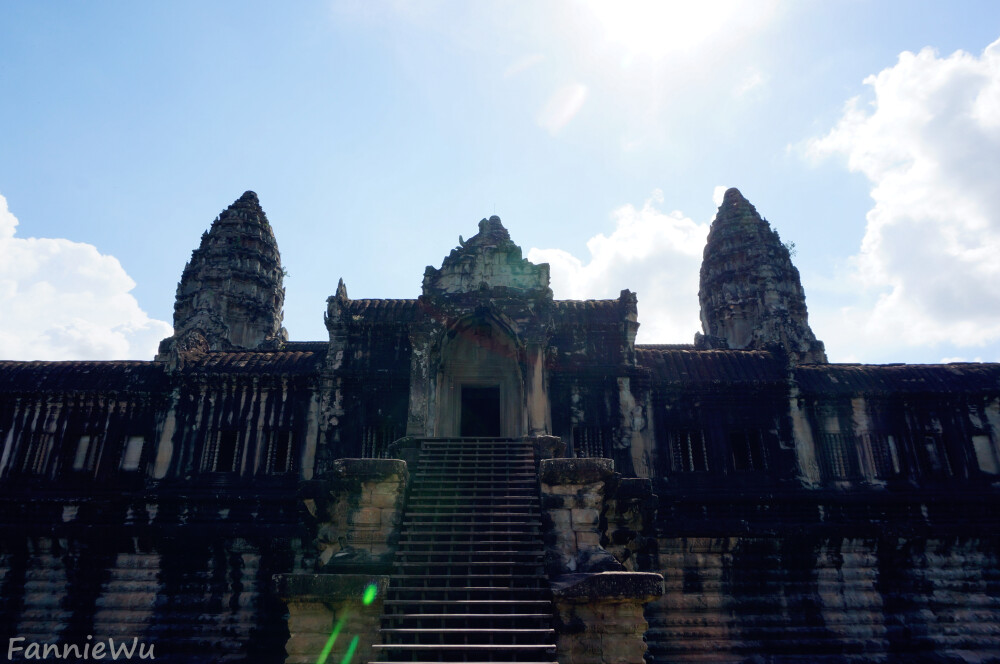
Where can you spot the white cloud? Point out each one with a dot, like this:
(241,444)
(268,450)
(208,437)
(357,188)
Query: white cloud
(561,107)
(64,300)
(653,253)
(718,194)
(950,360)
(929,144)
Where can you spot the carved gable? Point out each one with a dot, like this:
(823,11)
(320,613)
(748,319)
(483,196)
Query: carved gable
(488,261)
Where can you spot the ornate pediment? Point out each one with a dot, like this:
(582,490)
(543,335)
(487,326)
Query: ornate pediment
(487,262)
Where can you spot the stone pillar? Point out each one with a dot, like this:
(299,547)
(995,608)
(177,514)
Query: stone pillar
(418,422)
(536,390)
(339,611)
(599,617)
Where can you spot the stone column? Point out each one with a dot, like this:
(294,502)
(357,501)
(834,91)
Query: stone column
(536,390)
(418,418)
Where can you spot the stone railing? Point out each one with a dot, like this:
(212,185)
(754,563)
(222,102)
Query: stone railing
(598,603)
(358,510)
(333,613)
(599,617)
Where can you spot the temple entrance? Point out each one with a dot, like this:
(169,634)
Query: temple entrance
(480,411)
(480,390)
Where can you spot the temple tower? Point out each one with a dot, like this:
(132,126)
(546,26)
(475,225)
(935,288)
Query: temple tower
(478,364)
(230,295)
(751,295)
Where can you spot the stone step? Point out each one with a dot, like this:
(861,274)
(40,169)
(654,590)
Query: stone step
(456,511)
(493,493)
(469,636)
(471,617)
(472,533)
(424,506)
(493,520)
(474,480)
(437,661)
(447,580)
(502,607)
(462,556)
(497,448)
(491,475)
(496,503)
(491,649)
(488,459)
(469,580)
(428,537)
(469,593)
(471,567)
(476,452)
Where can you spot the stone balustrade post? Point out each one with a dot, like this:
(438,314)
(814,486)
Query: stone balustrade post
(357,509)
(339,611)
(599,617)
(599,605)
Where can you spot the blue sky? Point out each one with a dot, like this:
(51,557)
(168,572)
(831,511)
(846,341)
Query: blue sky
(867,133)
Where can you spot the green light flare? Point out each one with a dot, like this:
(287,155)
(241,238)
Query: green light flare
(350,651)
(370,592)
(325,652)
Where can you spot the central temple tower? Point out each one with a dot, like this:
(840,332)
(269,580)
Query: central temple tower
(485,317)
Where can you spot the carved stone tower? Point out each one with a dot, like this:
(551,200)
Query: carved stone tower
(751,296)
(480,347)
(230,295)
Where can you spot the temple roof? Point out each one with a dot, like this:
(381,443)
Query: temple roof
(710,367)
(382,311)
(898,378)
(82,376)
(281,362)
(404,311)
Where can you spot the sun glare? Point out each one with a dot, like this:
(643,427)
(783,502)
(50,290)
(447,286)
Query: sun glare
(655,29)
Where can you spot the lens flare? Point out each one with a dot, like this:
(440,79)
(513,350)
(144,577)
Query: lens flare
(350,651)
(325,652)
(370,592)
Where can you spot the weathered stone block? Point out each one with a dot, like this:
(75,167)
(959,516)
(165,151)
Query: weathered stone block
(586,518)
(575,471)
(560,518)
(619,650)
(370,516)
(384,500)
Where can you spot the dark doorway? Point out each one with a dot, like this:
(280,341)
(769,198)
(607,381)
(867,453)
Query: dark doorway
(480,412)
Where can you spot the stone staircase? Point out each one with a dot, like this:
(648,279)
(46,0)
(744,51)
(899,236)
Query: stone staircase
(469,583)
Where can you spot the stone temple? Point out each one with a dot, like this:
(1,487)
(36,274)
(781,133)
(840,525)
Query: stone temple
(487,474)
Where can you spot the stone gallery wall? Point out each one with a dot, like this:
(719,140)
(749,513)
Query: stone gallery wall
(814,598)
(190,576)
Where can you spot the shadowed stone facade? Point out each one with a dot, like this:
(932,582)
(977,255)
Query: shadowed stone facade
(738,499)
